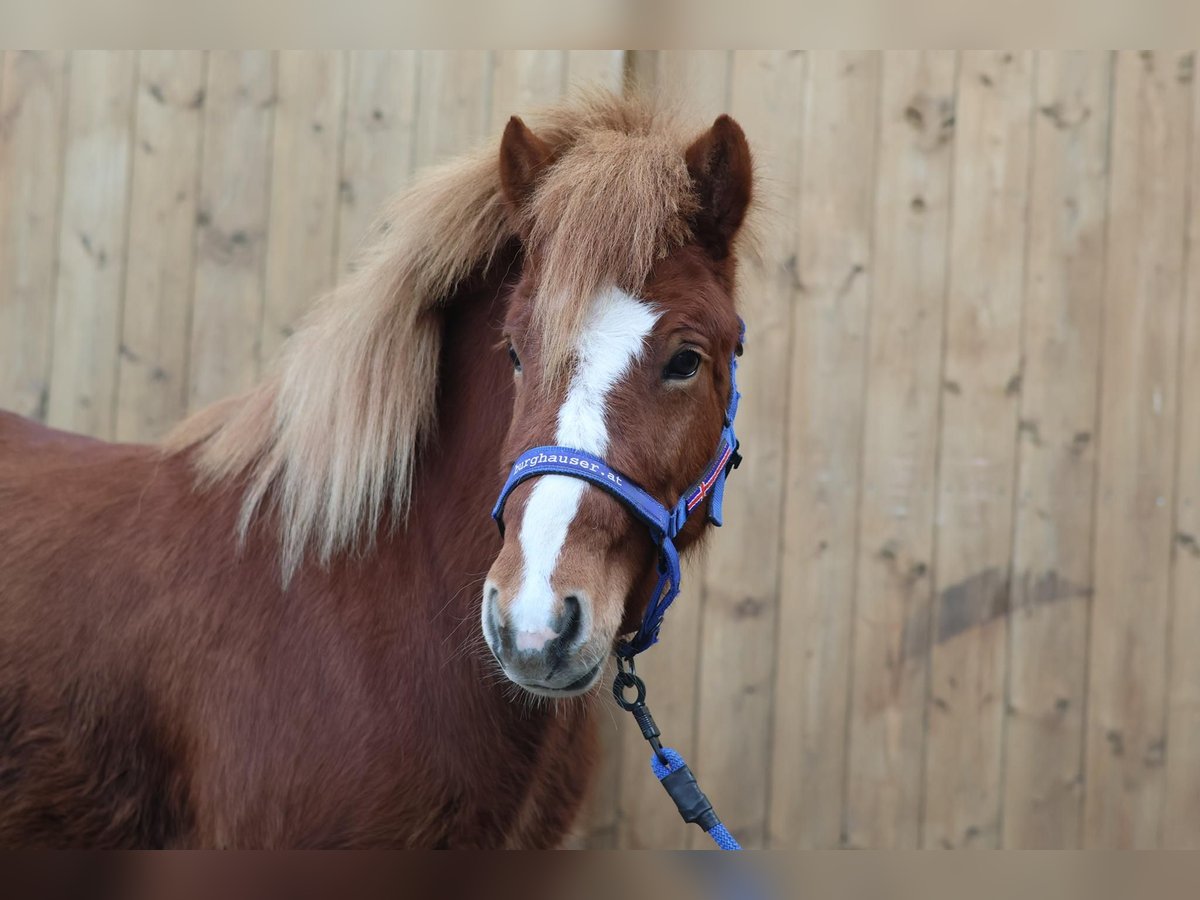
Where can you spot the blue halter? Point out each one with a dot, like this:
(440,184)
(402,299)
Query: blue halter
(664,523)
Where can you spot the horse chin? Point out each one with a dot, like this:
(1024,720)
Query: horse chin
(581,685)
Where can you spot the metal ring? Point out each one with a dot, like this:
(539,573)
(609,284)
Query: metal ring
(626,679)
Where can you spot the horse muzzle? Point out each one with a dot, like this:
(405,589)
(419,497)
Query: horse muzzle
(545,648)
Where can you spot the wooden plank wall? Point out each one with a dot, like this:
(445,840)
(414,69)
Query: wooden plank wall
(958,595)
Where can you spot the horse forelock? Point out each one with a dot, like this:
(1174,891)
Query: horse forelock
(330,439)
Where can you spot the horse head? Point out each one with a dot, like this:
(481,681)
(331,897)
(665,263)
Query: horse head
(635,374)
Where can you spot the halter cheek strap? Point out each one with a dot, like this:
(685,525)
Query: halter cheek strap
(664,523)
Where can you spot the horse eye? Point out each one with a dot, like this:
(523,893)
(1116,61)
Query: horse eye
(683,365)
(516,360)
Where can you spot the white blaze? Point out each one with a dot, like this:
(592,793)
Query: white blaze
(611,339)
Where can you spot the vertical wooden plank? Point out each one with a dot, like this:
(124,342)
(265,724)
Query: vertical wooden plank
(1181,815)
(92,240)
(977,452)
(523,80)
(831,272)
(893,590)
(741,584)
(599,822)
(32,109)
(377,149)
(152,376)
(1136,456)
(700,79)
(1051,589)
(301,229)
(642,70)
(601,68)
(231,223)
(453,108)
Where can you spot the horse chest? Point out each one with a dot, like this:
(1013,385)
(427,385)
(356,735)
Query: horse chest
(471,771)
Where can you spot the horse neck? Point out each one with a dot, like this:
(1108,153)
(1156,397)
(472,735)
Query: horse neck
(439,558)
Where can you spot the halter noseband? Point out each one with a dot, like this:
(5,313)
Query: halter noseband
(664,523)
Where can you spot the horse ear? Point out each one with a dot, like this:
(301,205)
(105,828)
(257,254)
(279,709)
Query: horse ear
(722,175)
(522,156)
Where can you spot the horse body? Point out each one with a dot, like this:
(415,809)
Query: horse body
(159,686)
(294,624)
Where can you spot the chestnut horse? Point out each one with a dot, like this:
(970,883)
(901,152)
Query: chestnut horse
(273,630)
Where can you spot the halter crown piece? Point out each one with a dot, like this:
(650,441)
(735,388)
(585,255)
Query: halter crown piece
(664,522)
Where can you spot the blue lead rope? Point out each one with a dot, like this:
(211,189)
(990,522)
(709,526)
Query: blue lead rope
(666,763)
(664,525)
(671,765)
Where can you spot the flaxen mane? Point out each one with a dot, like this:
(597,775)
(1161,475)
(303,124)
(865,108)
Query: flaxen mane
(332,436)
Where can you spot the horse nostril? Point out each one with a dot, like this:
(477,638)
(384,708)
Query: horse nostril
(494,630)
(571,621)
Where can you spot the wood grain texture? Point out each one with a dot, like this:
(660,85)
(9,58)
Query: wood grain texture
(379,142)
(32,113)
(596,68)
(152,374)
(1052,564)
(231,236)
(1136,457)
(832,277)
(741,580)
(700,82)
(453,106)
(893,588)
(92,241)
(305,168)
(982,373)
(1181,813)
(523,80)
